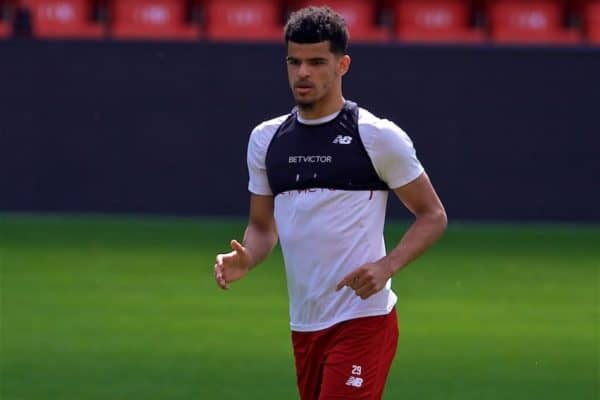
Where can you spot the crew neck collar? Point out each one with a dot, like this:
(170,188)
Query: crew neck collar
(318,121)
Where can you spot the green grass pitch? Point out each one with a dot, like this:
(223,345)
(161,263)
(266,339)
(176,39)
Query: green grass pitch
(126,308)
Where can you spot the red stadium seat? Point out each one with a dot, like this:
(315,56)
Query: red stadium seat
(529,21)
(151,19)
(4,23)
(4,29)
(591,17)
(360,17)
(62,19)
(243,20)
(435,21)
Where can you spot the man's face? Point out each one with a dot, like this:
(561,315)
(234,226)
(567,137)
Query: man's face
(313,71)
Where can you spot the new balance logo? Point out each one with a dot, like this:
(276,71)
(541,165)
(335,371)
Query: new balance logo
(339,139)
(354,382)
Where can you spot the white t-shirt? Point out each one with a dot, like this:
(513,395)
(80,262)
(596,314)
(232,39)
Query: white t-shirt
(325,234)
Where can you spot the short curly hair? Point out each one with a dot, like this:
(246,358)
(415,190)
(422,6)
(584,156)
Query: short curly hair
(317,24)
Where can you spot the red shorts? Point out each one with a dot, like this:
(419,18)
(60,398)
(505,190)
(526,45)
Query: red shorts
(348,361)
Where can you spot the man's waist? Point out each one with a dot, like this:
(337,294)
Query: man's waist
(312,314)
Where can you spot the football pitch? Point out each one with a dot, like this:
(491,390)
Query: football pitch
(126,308)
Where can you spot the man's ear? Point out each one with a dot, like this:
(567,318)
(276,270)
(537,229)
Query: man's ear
(344,64)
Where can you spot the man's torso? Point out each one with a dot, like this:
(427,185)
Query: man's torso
(330,194)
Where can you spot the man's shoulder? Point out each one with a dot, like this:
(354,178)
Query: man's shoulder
(370,123)
(263,133)
(270,125)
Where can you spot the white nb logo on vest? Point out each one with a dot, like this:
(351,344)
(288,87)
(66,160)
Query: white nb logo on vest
(339,139)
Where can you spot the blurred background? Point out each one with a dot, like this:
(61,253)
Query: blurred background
(123,133)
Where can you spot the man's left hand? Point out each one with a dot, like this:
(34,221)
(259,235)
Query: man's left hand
(366,280)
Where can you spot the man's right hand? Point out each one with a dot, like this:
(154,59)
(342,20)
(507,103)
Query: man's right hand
(232,266)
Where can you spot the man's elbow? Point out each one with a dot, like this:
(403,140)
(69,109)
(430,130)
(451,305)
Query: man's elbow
(442,218)
(438,218)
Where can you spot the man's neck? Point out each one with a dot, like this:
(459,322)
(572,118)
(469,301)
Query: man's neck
(322,111)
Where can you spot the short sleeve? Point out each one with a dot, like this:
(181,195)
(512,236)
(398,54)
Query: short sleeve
(392,152)
(258,182)
(257,151)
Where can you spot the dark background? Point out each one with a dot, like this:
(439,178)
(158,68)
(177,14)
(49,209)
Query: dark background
(505,133)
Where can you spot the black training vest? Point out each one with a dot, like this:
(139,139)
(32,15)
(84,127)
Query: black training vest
(329,155)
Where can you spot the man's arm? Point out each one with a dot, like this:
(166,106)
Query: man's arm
(261,235)
(429,225)
(259,239)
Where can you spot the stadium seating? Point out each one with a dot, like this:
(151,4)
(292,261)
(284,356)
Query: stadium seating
(151,19)
(62,19)
(529,21)
(435,21)
(243,20)
(4,29)
(591,17)
(360,16)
